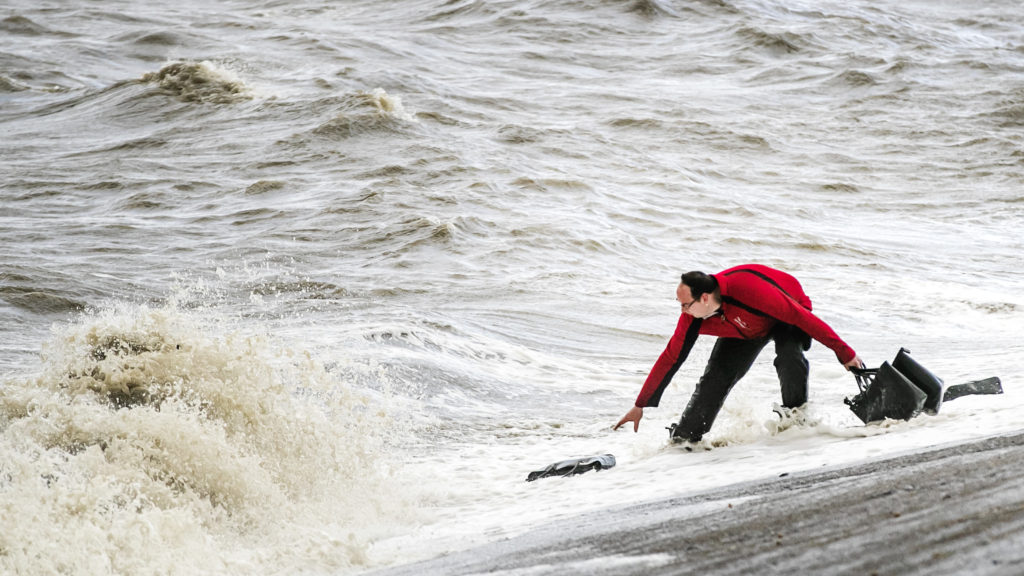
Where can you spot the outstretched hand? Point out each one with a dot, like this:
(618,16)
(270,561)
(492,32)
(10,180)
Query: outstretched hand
(634,415)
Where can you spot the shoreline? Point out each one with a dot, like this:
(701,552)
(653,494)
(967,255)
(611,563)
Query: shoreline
(951,509)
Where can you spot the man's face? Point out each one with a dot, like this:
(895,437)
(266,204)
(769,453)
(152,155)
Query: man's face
(696,307)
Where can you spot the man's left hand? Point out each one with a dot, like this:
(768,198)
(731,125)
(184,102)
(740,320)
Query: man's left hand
(856,362)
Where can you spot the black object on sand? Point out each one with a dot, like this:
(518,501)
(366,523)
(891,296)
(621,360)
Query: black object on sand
(574,466)
(904,388)
(986,386)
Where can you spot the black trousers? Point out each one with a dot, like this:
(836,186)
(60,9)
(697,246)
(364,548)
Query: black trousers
(730,360)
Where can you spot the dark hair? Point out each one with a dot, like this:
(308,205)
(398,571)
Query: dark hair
(700,283)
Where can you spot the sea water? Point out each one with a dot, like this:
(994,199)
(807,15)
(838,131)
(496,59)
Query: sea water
(311,287)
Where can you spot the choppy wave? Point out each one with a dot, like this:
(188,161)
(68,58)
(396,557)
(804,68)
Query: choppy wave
(8,84)
(361,112)
(38,300)
(152,438)
(777,43)
(652,8)
(199,82)
(21,25)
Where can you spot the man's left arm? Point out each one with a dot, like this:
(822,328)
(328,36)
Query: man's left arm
(785,309)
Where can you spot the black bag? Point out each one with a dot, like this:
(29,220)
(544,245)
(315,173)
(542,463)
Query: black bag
(885,393)
(903,389)
(921,377)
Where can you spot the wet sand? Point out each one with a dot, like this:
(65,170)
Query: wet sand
(956,509)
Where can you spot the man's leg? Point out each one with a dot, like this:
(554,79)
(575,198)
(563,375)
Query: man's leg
(790,363)
(730,359)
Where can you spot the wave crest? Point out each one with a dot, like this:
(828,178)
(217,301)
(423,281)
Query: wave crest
(199,82)
(366,112)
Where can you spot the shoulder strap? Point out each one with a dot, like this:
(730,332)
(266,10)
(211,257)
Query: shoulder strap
(734,302)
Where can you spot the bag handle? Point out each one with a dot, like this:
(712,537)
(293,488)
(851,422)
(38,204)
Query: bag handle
(864,376)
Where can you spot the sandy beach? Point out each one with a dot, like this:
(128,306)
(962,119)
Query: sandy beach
(954,509)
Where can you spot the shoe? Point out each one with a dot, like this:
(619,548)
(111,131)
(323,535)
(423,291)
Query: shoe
(789,417)
(685,443)
(672,434)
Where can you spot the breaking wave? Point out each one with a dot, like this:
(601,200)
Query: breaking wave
(199,82)
(155,437)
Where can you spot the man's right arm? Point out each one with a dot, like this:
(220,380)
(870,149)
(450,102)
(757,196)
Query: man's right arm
(668,363)
(664,369)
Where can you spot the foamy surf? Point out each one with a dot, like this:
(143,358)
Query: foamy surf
(161,439)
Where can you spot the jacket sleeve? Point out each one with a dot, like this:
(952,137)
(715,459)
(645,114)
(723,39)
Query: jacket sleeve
(784,309)
(671,359)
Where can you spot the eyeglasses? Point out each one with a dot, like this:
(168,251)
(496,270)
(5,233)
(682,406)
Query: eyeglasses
(690,303)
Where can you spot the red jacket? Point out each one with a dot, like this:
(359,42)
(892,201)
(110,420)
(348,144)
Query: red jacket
(754,299)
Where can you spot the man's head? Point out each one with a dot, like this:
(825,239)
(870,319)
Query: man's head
(698,294)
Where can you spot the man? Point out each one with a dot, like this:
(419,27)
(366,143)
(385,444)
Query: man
(745,307)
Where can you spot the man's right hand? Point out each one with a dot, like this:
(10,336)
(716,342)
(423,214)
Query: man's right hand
(634,415)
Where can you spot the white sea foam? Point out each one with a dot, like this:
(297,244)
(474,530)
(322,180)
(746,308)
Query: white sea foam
(157,437)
